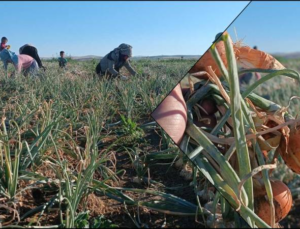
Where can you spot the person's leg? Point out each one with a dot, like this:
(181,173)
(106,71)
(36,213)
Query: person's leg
(98,69)
(34,68)
(105,75)
(35,55)
(26,72)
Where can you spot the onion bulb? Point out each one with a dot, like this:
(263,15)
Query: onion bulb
(292,156)
(282,198)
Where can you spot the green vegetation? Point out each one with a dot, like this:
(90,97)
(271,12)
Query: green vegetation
(224,154)
(77,151)
(72,145)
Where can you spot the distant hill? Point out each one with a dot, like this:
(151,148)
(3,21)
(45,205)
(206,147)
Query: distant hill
(161,57)
(294,55)
(84,58)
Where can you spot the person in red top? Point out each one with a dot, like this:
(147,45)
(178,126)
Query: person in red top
(3,43)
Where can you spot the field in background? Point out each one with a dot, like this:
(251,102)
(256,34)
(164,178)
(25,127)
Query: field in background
(77,151)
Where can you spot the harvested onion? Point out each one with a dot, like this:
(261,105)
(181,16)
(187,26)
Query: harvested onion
(282,202)
(246,57)
(207,60)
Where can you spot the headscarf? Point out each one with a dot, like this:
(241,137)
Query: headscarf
(7,55)
(217,36)
(21,49)
(125,49)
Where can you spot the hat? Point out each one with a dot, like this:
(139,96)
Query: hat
(26,45)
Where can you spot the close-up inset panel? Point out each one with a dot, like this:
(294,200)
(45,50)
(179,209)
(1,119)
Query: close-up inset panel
(238,111)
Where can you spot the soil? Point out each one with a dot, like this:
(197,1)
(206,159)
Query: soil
(115,211)
(130,216)
(149,218)
(166,175)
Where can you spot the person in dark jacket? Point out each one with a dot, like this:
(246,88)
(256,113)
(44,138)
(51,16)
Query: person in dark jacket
(32,51)
(111,63)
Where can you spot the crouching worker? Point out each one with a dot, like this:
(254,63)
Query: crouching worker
(114,61)
(23,63)
(32,51)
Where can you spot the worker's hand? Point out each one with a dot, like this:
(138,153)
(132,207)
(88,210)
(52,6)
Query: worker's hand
(171,114)
(44,68)
(122,77)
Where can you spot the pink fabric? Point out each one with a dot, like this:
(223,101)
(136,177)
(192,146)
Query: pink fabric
(24,62)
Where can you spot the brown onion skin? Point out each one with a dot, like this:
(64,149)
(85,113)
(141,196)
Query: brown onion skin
(292,156)
(282,202)
(253,58)
(246,56)
(171,114)
(207,60)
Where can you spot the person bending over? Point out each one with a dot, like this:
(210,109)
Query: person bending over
(23,63)
(111,63)
(32,51)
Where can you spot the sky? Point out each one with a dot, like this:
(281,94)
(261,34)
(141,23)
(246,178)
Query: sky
(273,26)
(95,28)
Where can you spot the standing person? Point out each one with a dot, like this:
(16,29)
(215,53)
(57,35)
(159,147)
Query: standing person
(32,51)
(4,40)
(23,63)
(115,60)
(62,61)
